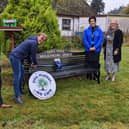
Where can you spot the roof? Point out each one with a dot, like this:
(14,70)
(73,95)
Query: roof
(73,8)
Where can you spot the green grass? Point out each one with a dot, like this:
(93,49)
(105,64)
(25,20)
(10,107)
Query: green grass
(77,104)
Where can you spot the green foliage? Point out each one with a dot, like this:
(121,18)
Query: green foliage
(98,5)
(74,42)
(2,42)
(3,3)
(8,46)
(34,16)
(5,45)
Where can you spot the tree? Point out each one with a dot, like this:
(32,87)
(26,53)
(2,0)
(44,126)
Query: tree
(34,16)
(125,10)
(117,11)
(3,3)
(98,6)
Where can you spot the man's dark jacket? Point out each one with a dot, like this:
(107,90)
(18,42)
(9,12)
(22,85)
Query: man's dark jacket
(27,49)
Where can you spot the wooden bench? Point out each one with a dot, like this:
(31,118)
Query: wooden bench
(61,64)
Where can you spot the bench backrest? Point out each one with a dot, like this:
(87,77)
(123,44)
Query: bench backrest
(62,63)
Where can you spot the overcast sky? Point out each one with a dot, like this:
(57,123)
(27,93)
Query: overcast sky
(111,4)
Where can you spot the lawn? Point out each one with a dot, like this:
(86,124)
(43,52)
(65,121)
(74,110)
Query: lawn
(77,104)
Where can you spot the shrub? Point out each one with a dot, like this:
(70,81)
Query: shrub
(34,16)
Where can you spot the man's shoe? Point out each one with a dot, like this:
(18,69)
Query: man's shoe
(18,100)
(5,106)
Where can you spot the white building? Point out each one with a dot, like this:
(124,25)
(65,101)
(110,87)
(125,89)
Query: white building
(70,25)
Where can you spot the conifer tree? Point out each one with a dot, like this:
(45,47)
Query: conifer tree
(34,16)
(98,5)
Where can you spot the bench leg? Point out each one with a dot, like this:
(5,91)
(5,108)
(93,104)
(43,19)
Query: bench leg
(98,77)
(89,76)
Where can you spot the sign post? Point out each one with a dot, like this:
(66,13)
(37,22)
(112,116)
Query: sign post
(10,27)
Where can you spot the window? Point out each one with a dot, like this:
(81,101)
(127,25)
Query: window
(66,24)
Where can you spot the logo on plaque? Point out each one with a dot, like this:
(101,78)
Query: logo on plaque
(42,85)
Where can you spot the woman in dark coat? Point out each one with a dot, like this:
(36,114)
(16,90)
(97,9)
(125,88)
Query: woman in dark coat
(112,50)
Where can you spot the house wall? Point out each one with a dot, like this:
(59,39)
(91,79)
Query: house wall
(123,22)
(83,23)
(102,22)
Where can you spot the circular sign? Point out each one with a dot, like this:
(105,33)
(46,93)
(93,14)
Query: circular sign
(42,85)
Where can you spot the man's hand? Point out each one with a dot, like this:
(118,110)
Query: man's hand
(92,49)
(33,66)
(115,52)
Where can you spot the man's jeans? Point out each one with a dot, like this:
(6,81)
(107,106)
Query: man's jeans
(18,72)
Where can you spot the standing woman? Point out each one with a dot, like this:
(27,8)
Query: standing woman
(112,50)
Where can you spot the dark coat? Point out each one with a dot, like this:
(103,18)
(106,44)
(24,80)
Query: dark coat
(117,43)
